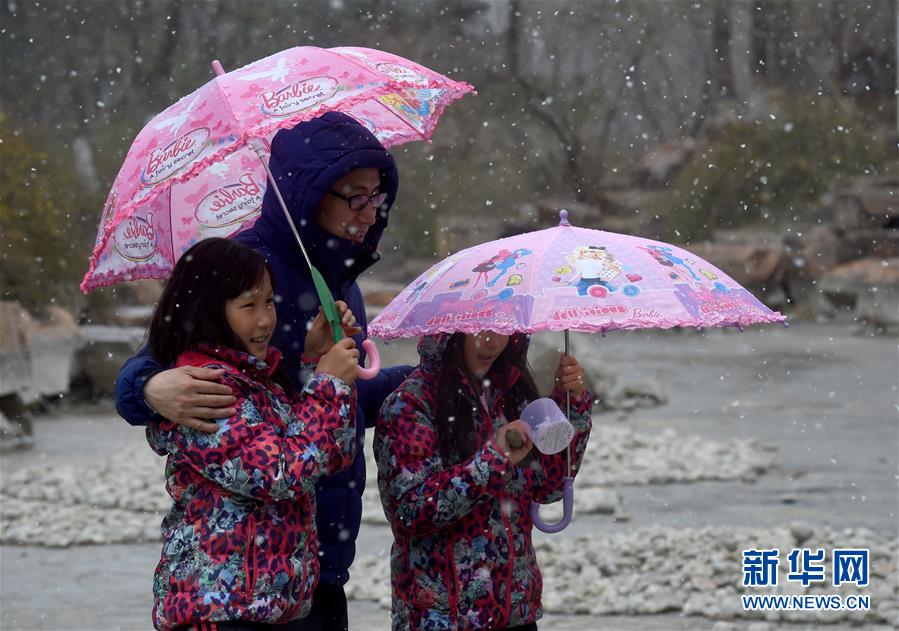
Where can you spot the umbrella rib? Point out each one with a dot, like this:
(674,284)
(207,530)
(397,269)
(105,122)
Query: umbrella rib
(388,81)
(217,66)
(405,122)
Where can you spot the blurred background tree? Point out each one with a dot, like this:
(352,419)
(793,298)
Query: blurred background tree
(44,227)
(570,96)
(772,169)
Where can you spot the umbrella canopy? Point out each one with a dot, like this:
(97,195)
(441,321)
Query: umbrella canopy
(569,278)
(194,171)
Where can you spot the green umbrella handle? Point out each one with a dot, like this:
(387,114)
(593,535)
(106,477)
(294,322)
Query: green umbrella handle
(332,316)
(328,304)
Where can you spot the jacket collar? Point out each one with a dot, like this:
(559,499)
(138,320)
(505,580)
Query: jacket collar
(256,369)
(340,261)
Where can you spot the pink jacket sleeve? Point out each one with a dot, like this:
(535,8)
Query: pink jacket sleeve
(420,495)
(250,455)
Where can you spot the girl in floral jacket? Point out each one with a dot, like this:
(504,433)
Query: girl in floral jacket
(239,542)
(457,495)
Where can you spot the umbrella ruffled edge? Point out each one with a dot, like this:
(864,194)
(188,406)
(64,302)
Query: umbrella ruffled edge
(775,317)
(107,279)
(91,281)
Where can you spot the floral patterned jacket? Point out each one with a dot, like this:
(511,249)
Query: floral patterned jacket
(239,542)
(462,556)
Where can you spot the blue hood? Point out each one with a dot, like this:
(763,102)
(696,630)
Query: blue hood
(305,161)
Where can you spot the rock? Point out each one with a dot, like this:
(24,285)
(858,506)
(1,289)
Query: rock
(702,583)
(599,501)
(645,394)
(866,205)
(869,271)
(36,355)
(14,320)
(867,289)
(801,533)
(146,292)
(868,242)
(816,254)
(14,435)
(105,350)
(757,267)
(133,315)
(52,342)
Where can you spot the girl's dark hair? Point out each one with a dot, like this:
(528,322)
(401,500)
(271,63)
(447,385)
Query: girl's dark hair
(457,438)
(191,309)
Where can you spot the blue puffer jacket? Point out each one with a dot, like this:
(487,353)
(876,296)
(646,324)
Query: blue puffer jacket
(305,162)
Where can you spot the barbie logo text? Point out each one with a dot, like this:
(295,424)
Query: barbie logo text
(298,97)
(230,204)
(135,238)
(164,163)
(401,73)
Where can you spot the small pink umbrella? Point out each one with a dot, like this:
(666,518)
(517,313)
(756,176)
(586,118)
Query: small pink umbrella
(569,278)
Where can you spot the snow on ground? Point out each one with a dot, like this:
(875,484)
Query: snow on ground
(121,499)
(691,571)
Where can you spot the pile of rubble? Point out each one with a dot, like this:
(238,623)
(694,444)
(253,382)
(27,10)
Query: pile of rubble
(45,356)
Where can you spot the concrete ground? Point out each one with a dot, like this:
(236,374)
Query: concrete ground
(827,400)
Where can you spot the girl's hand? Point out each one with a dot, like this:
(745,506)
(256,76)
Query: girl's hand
(514,454)
(342,361)
(320,339)
(570,375)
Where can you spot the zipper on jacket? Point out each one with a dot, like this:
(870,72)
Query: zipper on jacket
(251,558)
(454,596)
(511,562)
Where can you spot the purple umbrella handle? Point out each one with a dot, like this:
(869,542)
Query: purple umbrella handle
(567,506)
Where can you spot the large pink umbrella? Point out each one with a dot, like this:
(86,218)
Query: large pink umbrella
(569,278)
(198,169)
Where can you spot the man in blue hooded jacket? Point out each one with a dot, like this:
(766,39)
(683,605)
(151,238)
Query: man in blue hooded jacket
(339,184)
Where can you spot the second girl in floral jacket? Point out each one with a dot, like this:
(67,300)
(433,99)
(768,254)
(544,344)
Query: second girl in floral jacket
(457,495)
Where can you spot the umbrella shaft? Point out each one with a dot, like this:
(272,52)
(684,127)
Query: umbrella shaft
(568,407)
(261,154)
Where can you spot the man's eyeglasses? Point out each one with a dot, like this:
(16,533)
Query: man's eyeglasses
(359,202)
